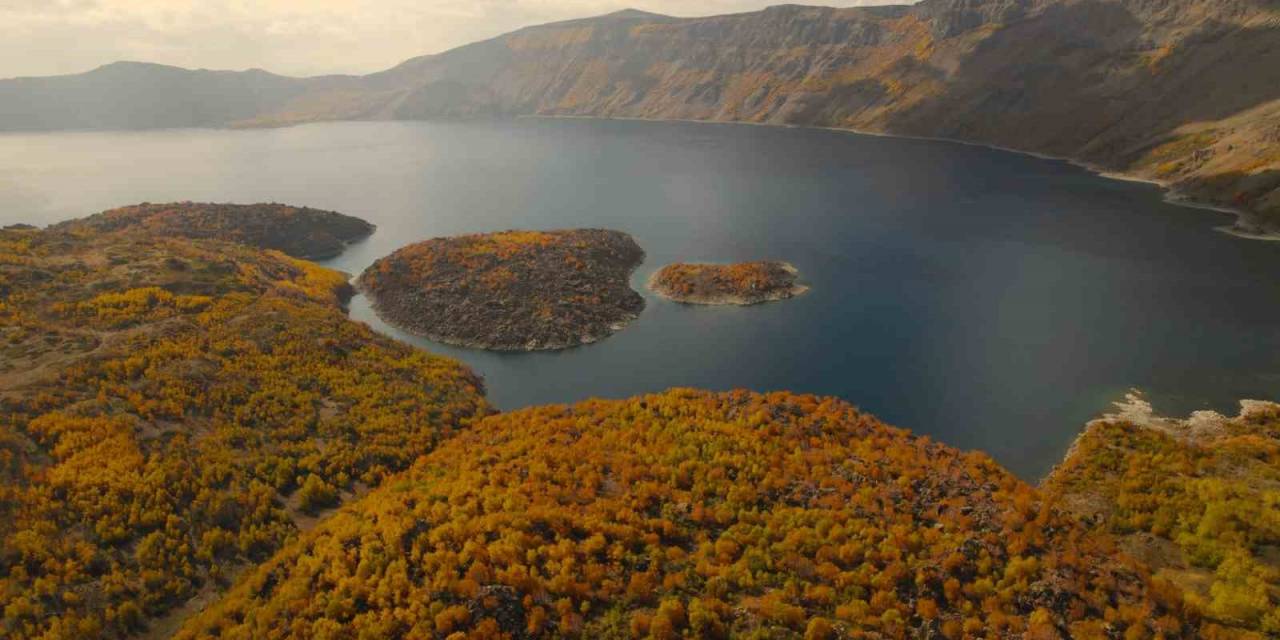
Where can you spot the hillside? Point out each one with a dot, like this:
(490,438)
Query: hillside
(698,515)
(1182,91)
(172,411)
(1197,500)
(301,232)
(134,95)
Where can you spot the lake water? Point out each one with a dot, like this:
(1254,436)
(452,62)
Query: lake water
(991,300)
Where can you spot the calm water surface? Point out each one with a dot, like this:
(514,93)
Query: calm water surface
(990,300)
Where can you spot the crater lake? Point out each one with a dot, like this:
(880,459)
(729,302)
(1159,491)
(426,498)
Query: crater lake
(990,300)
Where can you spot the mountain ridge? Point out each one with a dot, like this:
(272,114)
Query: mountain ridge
(1183,92)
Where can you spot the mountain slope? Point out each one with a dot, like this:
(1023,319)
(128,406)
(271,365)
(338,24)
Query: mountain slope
(692,514)
(131,95)
(173,410)
(1183,91)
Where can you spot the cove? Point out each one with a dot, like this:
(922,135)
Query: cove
(990,300)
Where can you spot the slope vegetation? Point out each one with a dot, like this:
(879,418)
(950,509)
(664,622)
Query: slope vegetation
(171,410)
(1198,500)
(699,515)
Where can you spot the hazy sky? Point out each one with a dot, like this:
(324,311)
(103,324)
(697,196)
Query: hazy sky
(43,37)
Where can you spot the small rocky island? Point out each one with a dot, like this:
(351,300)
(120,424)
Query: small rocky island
(301,232)
(743,283)
(510,291)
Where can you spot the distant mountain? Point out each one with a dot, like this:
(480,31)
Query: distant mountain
(135,95)
(1184,91)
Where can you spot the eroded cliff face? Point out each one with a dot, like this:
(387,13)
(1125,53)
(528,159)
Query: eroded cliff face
(1183,91)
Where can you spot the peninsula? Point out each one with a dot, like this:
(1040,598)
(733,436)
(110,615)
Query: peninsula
(301,232)
(510,291)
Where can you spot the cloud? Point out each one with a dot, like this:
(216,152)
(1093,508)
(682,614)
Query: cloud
(300,37)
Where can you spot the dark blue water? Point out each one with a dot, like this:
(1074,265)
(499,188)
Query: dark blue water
(990,300)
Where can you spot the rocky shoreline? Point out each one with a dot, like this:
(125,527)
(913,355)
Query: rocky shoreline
(510,291)
(741,284)
(492,345)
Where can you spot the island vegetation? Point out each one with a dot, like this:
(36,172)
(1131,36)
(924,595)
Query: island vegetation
(1197,500)
(696,515)
(743,283)
(174,410)
(301,232)
(510,291)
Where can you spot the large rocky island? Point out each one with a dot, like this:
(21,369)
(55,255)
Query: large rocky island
(743,283)
(301,232)
(510,291)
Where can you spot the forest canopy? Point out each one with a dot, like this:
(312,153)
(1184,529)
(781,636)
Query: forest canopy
(695,515)
(172,411)
(1197,500)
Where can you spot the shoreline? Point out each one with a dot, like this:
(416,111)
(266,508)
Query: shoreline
(1199,428)
(1169,192)
(347,243)
(460,343)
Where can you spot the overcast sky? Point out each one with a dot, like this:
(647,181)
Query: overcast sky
(298,37)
